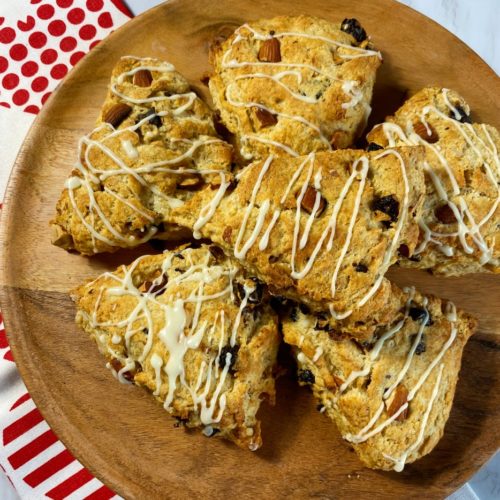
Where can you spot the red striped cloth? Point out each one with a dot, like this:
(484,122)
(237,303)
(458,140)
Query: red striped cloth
(40,40)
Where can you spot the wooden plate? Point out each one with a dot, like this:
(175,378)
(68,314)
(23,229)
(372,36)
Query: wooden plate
(119,432)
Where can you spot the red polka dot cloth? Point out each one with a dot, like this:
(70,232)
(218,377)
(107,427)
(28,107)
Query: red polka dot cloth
(40,41)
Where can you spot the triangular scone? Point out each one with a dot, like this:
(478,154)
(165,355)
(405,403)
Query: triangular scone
(154,144)
(390,398)
(460,226)
(192,329)
(292,85)
(320,229)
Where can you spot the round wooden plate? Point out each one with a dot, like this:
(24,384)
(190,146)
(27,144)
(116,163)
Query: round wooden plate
(119,432)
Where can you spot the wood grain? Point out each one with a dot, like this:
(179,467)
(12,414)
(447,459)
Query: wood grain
(119,432)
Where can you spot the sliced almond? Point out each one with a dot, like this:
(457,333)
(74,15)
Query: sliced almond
(270,51)
(426,133)
(309,200)
(398,398)
(117,113)
(143,78)
(265,117)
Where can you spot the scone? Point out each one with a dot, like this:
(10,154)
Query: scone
(292,85)
(460,225)
(390,398)
(155,143)
(189,327)
(320,229)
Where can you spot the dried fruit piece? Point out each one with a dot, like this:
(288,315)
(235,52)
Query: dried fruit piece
(338,380)
(338,140)
(143,78)
(270,50)
(355,29)
(421,347)
(464,117)
(360,268)
(309,200)
(217,252)
(265,117)
(233,351)
(387,205)
(154,120)
(404,251)
(445,214)
(117,113)
(117,366)
(374,147)
(418,313)
(399,398)
(426,133)
(306,376)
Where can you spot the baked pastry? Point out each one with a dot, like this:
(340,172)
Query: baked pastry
(155,143)
(390,398)
(189,327)
(460,225)
(293,85)
(320,229)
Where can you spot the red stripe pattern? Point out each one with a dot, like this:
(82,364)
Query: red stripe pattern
(83,476)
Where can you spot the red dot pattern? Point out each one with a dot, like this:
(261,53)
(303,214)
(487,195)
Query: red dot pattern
(37,39)
(76,16)
(45,11)
(4,64)
(18,52)
(58,71)
(44,42)
(95,5)
(20,97)
(7,35)
(48,56)
(105,20)
(87,32)
(39,84)
(68,44)
(10,81)
(29,68)
(57,28)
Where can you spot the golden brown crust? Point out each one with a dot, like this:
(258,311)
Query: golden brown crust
(362,252)
(459,150)
(319,96)
(206,363)
(125,186)
(328,363)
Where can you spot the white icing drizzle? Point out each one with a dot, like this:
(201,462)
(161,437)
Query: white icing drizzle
(371,428)
(399,463)
(90,174)
(466,225)
(247,237)
(293,70)
(179,332)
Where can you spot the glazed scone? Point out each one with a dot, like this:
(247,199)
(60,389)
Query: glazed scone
(293,85)
(189,327)
(155,143)
(320,229)
(460,225)
(390,398)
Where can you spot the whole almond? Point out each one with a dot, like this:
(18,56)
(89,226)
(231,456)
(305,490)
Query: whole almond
(427,134)
(265,117)
(445,214)
(270,50)
(143,78)
(309,200)
(400,397)
(117,113)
